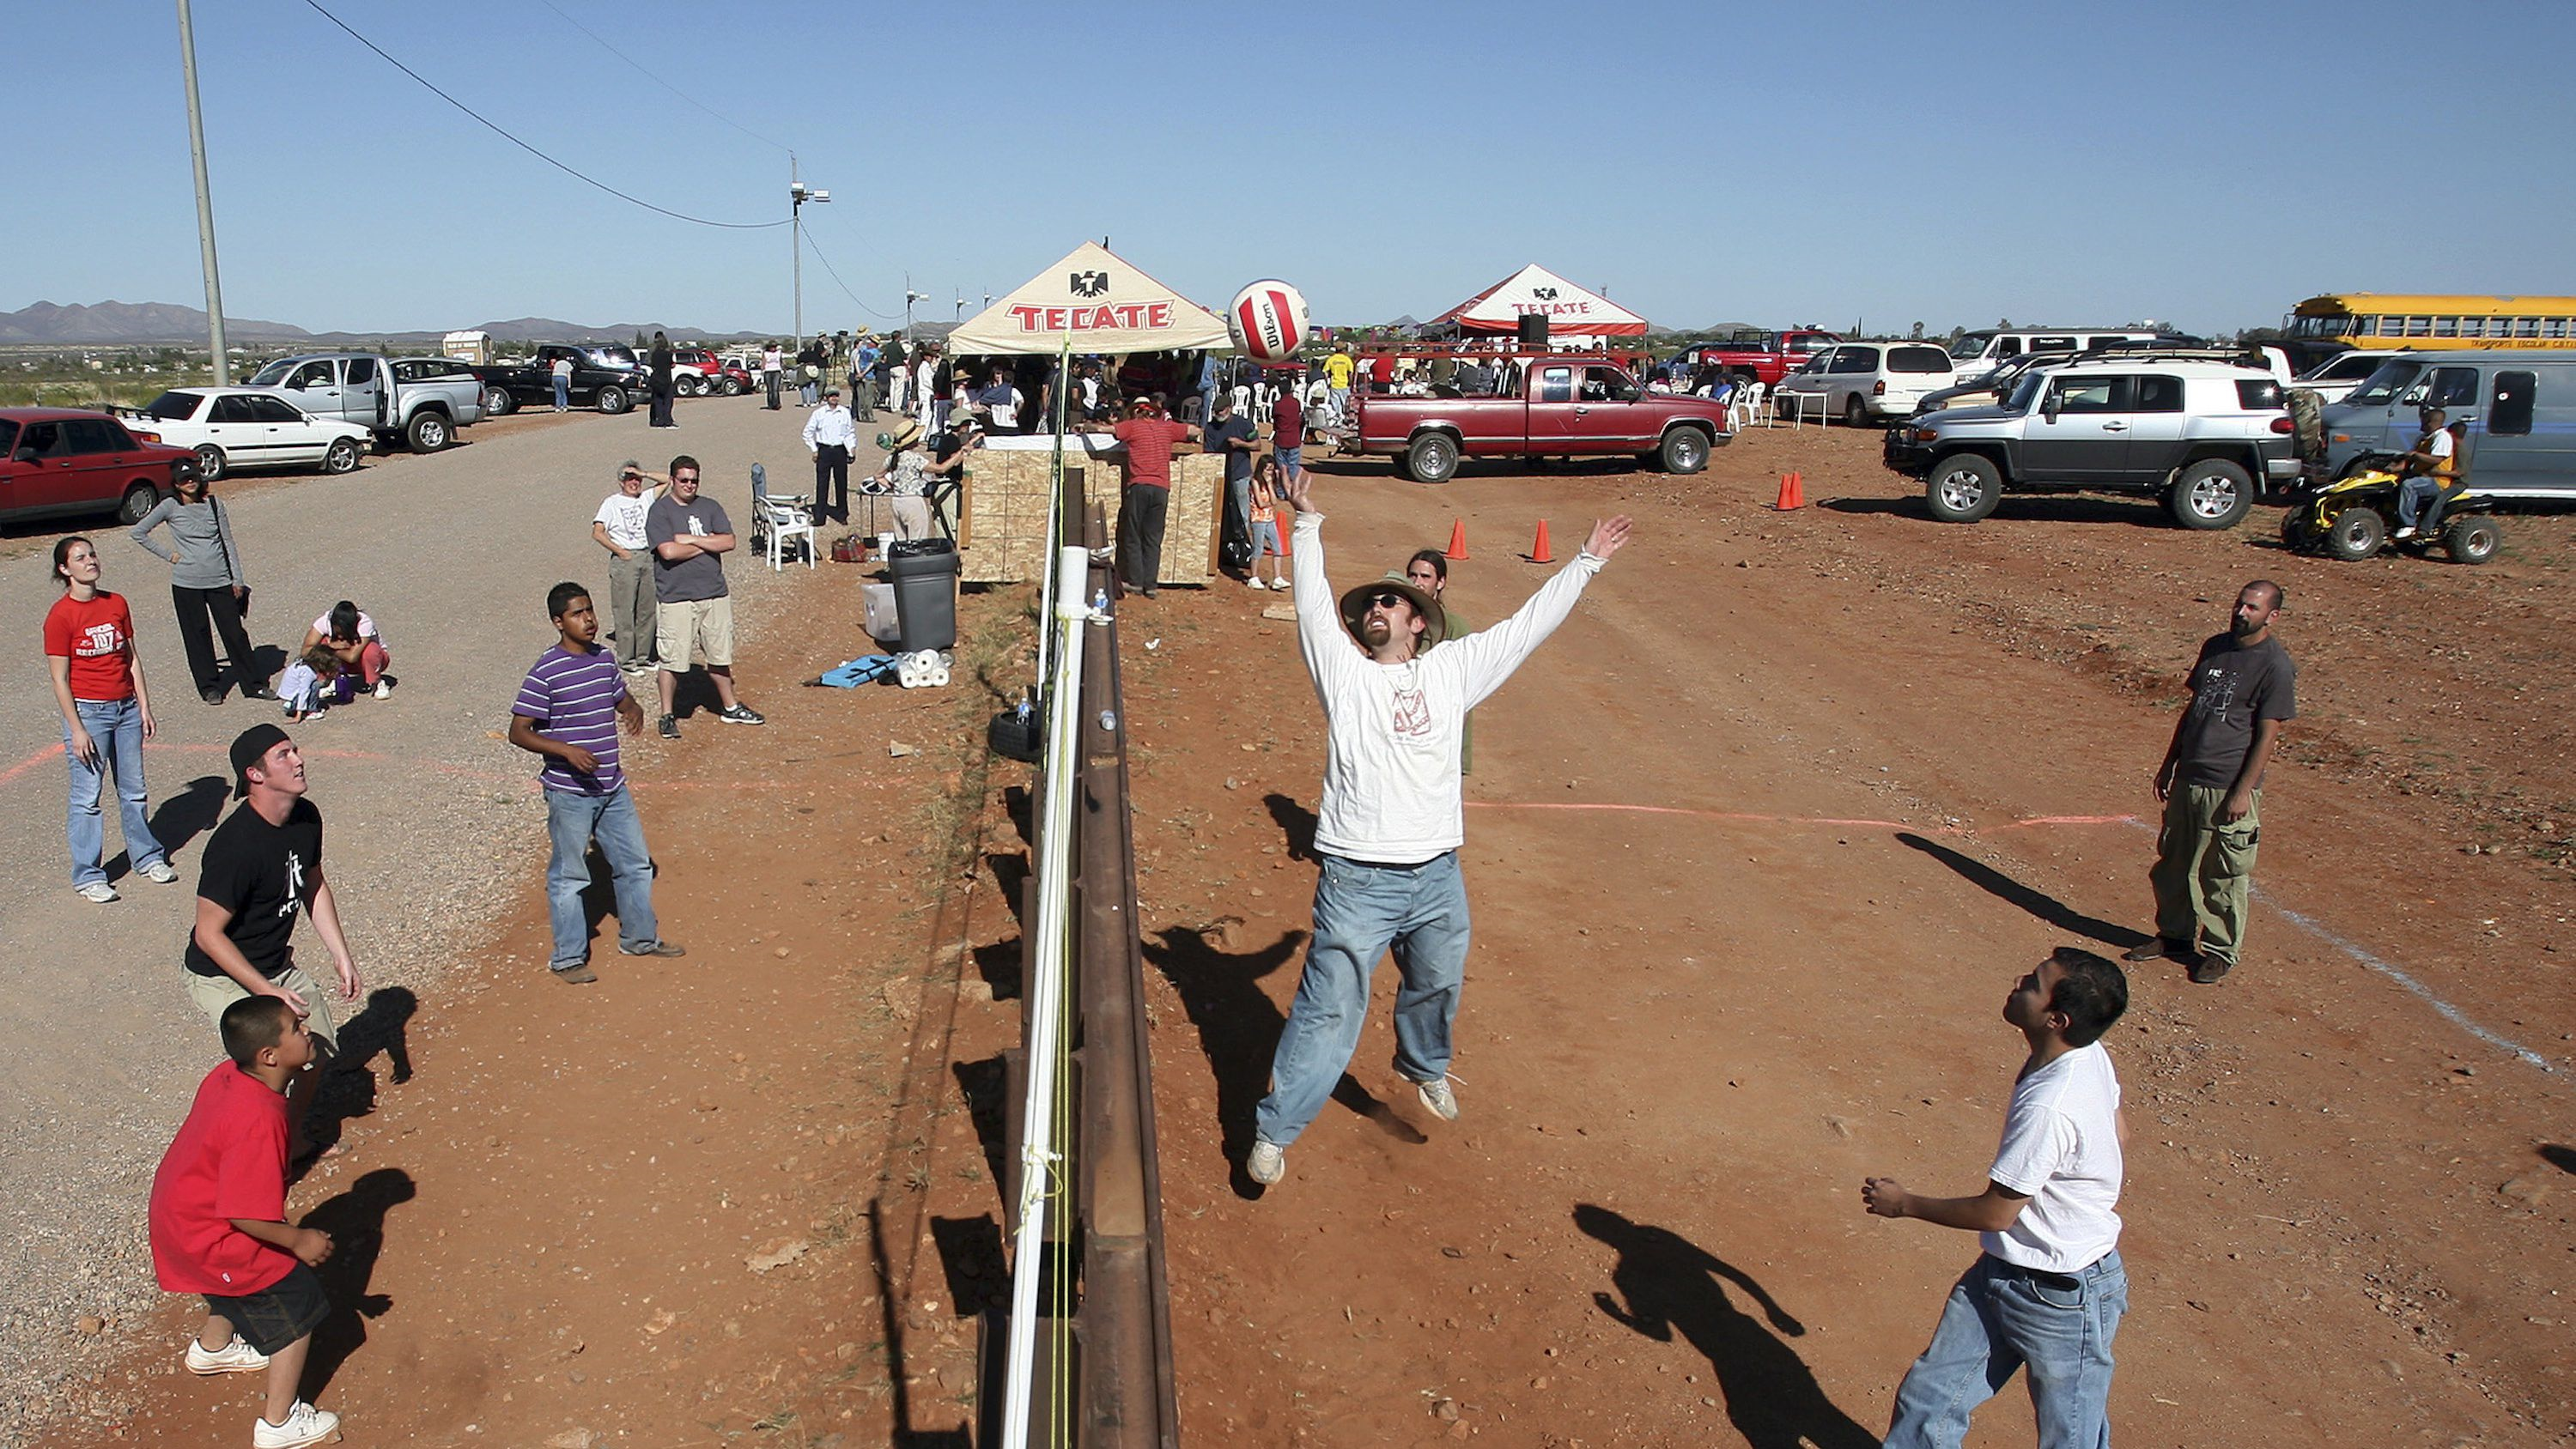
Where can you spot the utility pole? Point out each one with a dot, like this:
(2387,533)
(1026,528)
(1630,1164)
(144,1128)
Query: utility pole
(205,201)
(797,195)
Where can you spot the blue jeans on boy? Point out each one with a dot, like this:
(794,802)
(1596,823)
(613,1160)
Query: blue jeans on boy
(1360,910)
(574,821)
(116,728)
(1291,460)
(2001,1318)
(2412,495)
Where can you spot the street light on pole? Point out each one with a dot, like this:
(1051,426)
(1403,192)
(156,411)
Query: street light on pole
(205,202)
(798,193)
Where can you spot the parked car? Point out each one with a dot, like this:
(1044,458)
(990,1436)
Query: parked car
(58,462)
(1763,357)
(695,370)
(1550,405)
(2201,431)
(1977,353)
(605,375)
(1858,381)
(362,387)
(235,428)
(2334,379)
(2519,408)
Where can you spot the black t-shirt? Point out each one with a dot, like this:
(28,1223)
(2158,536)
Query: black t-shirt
(262,873)
(1238,463)
(2232,686)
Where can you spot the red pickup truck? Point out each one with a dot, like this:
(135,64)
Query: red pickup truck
(1541,405)
(1763,357)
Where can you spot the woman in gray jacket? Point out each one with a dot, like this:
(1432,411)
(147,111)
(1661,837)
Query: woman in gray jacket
(206,583)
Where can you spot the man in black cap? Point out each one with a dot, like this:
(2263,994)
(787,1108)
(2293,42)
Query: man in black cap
(261,868)
(1391,821)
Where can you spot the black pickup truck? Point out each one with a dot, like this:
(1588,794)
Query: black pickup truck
(605,375)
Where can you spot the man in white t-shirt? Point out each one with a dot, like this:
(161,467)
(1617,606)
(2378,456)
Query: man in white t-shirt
(2047,1295)
(2424,472)
(1388,828)
(619,528)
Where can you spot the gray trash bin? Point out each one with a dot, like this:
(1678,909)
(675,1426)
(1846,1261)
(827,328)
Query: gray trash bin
(925,593)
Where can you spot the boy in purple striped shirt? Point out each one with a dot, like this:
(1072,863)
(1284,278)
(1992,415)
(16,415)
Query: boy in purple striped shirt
(568,710)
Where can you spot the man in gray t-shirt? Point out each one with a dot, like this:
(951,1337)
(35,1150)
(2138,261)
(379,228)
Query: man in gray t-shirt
(2243,689)
(689,536)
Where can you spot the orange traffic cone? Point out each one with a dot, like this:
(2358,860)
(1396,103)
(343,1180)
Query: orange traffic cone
(1457,540)
(1538,550)
(1282,532)
(1793,493)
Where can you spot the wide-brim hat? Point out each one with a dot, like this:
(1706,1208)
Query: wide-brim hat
(1355,606)
(905,435)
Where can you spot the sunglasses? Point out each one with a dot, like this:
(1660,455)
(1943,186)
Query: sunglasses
(1388,599)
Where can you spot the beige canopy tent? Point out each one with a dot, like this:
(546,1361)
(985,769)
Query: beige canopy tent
(1092,301)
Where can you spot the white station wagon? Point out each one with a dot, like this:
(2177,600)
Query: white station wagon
(234,428)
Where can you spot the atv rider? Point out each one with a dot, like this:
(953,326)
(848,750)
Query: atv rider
(2424,473)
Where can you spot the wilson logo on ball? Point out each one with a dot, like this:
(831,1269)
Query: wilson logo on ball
(1268,320)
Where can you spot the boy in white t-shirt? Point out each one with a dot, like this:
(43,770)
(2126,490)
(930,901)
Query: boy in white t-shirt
(2047,1295)
(619,528)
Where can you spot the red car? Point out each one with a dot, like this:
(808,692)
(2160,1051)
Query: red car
(695,371)
(61,461)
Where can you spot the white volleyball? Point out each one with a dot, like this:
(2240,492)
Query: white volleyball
(1268,320)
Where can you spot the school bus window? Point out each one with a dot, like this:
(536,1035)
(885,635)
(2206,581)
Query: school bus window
(2553,326)
(2526,326)
(2419,326)
(2446,326)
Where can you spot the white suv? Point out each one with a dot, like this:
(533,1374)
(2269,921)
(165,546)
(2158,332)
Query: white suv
(2202,430)
(1858,381)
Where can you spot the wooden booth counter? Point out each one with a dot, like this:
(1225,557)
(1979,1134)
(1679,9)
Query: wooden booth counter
(1002,511)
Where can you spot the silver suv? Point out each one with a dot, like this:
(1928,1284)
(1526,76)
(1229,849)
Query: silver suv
(2200,429)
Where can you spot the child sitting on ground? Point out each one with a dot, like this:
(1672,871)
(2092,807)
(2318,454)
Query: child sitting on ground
(218,1222)
(304,689)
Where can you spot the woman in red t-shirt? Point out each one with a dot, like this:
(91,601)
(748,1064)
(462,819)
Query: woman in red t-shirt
(98,681)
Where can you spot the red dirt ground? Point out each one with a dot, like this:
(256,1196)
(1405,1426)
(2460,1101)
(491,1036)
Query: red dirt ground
(1756,844)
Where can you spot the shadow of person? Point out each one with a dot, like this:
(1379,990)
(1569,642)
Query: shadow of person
(1238,1024)
(190,813)
(1666,1283)
(2562,1158)
(2012,892)
(348,1088)
(355,1219)
(1296,824)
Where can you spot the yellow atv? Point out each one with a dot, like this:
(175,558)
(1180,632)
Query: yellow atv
(2355,516)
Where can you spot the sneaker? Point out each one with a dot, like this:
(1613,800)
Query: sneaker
(576,974)
(235,1357)
(1282,585)
(97,890)
(2208,969)
(658,948)
(1251,583)
(2157,948)
(670,727)
(1268,1162)
(160,873)
(384,689)
(740,713)
(1437,1096)
(304,1425)
(2403,533)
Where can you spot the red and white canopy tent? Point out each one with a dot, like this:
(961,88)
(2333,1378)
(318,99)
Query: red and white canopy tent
(1571,311)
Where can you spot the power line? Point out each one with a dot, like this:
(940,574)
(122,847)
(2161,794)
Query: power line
(531,150)
(657,80)
(836,276)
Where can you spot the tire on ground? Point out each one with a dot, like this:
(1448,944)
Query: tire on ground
(1685,450)
(2211,494)
(1963,488)
(2355,534)
(1432,458)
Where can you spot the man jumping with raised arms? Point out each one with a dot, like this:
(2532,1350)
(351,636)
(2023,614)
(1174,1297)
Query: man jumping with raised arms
(1388,832)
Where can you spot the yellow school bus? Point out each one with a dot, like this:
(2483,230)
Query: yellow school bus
(2388,320)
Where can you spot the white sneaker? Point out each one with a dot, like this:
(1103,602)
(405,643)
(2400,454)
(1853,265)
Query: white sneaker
(235,1357)
(1251,583)
(160,873)
(304,1424)
(97,890)
(384,689)
(2403,533)
(1268,1162)
(1281,585)
(1437,1096)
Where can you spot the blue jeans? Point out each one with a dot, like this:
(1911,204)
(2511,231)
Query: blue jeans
(1361,910)
(2412,495)
(574,821)
(116,728)
(1998,1320)
(1290,459)
(563,394)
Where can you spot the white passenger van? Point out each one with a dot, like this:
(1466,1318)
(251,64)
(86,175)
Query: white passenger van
(1980,352)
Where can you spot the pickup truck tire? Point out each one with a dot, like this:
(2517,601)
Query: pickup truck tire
(2471,540)
(1963,488)
(498,402)
(1855,412)
(139,499)
(428,432)
(1685,450)
(1433,458)
(2355,534)
(612,400)
(2211,494)
(341,456)
(1403,466)
(210,462)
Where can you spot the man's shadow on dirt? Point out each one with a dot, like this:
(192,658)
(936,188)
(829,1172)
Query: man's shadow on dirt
(348,1088)
(1666,1283)
(1296,825)
(355,1219)
(2004,888)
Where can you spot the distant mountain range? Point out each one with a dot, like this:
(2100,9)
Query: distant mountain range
(122,324)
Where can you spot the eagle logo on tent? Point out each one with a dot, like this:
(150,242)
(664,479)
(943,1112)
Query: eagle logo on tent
(1544,294)
(1090,284)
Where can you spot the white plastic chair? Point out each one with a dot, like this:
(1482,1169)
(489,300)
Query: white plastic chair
(1745,407)
(779,518)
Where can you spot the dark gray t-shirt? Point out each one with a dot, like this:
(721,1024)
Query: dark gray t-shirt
(690,579)
(1238,461)
(2232,686)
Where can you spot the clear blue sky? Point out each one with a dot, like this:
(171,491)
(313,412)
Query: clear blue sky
(2203,164)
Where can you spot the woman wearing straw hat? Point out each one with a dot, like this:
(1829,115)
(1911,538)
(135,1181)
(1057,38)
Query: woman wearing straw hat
(907,477)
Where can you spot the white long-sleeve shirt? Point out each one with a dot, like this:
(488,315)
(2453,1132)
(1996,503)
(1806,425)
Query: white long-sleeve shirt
(827,425)
(1391,731)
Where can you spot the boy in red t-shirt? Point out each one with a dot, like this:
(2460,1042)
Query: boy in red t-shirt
(218,1220)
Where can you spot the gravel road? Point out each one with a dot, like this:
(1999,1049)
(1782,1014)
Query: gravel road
(434,830)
